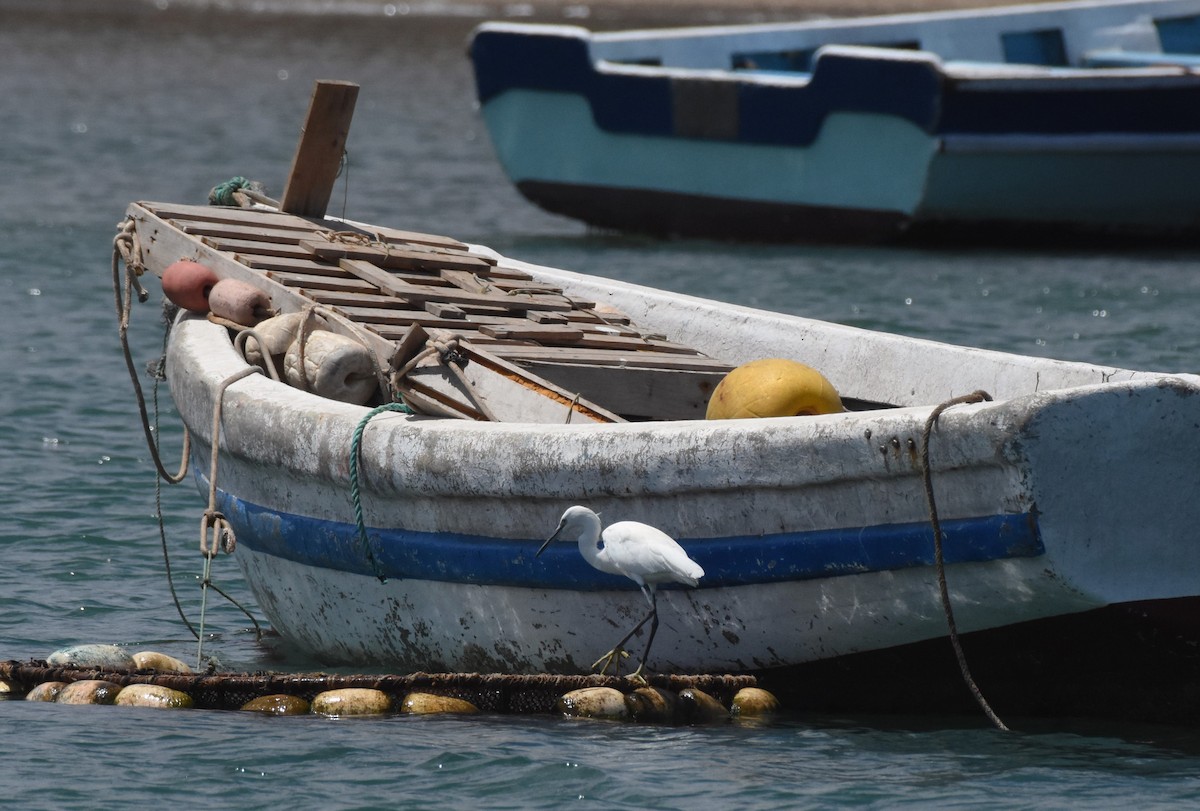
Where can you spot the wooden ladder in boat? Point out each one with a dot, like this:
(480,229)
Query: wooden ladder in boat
(536,353)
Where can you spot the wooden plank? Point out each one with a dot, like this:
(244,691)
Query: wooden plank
(465,280)
(591,316)
(508,285)
(462,329)
(427,401)
(484,313)
(519,353)
(287,236)
(347,299)
(252,247)
(402,316)
(547,318)
(478,283)
(319,153)
(444,310)
(397,235)
(636,343)
(607,329)
(365,308)
(292,265)
(309,282)
(590,340)
(233,216)
(409,346)
(384,321)
(501,272)
(419,293)
(395,329)
(394,258)
(542,333)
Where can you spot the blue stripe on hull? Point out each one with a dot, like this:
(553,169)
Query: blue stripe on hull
(732,561)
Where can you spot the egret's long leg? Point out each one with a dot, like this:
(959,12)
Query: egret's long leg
(619,649)
(637,674)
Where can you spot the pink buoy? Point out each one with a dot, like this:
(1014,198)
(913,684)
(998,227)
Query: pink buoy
(239,302)
(187,284)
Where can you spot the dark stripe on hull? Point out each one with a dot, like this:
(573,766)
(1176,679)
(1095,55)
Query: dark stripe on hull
(668,214)
(671,214)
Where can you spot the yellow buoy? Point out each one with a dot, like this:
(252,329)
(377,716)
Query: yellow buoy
(277,704)
(652,704)
(153,695)
(773,387)
(594,702)
(428,704)
(352,701)
(153,660)
(754,702)
(89,691)
(46,691)
(698,707)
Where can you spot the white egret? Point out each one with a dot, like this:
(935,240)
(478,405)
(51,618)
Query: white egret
(644,554)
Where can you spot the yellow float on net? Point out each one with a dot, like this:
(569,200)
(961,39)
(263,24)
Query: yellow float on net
(773,387)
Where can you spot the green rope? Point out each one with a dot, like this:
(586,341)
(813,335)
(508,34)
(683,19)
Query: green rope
(355,496)
(222,193)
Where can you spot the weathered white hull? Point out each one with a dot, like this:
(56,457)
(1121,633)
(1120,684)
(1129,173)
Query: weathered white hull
(455,627)
(1073,490)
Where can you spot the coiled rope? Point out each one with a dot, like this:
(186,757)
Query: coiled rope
(939,559)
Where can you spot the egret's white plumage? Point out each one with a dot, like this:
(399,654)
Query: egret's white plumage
(644,554)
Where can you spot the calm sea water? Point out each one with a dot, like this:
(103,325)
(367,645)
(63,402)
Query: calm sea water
(98,109)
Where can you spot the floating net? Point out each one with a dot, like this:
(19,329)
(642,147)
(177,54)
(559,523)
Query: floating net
(498,693)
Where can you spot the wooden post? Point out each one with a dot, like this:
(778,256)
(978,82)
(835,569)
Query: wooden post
(319,153)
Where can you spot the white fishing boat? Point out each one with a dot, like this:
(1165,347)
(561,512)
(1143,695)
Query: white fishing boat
(1046,121)
(408,537)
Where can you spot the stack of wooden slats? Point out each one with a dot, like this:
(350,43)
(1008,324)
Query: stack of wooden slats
(402,288)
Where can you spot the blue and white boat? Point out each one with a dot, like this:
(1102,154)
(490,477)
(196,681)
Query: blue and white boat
(1051,120)
(1068,502)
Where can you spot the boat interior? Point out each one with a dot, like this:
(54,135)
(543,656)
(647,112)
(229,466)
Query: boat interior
(401,292)
(1056,35)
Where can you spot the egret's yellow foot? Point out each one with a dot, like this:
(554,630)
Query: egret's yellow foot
(616,654)
(637,677)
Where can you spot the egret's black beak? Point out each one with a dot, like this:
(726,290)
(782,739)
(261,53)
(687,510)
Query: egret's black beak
(548,541)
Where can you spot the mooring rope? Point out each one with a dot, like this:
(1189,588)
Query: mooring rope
(355,494)
(239,343)
(939,560)
(216,533)
(159,376)
(127,248)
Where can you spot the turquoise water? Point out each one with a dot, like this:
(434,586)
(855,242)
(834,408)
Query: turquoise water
(99,109)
